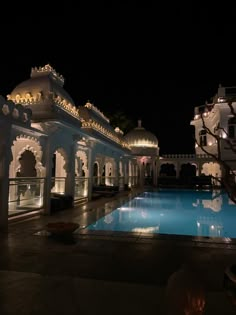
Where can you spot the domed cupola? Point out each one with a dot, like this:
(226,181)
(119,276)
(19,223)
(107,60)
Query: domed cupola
(141,141)
(43,90)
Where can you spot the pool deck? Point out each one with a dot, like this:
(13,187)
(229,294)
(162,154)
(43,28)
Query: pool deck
(103,273)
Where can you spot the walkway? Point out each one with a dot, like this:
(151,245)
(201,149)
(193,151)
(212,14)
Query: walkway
(102,274)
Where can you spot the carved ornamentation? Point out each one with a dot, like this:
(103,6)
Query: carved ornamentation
(5,109)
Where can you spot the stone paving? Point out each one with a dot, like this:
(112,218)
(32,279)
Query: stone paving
(103,273)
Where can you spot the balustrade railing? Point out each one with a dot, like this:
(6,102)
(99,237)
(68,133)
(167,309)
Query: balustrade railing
(25,194)
(81,187)
(58,185)
(185,156)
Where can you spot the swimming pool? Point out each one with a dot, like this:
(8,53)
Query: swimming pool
(174,212)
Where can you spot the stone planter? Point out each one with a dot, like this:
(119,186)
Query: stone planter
(61,228)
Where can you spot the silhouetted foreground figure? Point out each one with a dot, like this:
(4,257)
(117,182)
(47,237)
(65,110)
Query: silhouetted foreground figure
(185,294)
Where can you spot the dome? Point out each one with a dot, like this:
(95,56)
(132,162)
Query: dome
(140,137)
(44,87)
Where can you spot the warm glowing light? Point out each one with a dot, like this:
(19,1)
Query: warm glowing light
(150,229)
(98,127)
(221,99)
(95,109)
(47,69)
(118,130)
(224,135)
(126,209)
(143,143)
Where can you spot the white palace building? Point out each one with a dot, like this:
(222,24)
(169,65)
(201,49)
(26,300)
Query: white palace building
(51,148)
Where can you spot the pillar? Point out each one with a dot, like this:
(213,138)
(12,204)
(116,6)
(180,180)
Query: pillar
(154,167)
(48,177)
(91,160)
(70,178)
(5,159)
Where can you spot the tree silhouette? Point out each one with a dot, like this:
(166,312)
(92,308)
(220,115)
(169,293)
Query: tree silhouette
(121,120)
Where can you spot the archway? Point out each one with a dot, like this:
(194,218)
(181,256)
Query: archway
(26,193)
(21,144)
(82,164)
(167,169)
(59,164)
(213,169)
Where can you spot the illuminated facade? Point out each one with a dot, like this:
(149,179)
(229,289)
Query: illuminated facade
(55,148)
(50,147)
(219,120)
(144,146)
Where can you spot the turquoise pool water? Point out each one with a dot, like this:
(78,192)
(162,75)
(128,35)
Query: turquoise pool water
(178,212)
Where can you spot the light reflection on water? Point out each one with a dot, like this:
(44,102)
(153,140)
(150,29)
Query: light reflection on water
(194,213)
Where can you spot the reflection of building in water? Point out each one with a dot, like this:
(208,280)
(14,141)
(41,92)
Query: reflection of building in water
(214,204)
(108,218)
(209,226)
(149,229)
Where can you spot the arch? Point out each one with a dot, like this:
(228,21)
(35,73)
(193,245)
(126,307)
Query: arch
(167,169)
(59,170)
(60,163)
(27,163)
(109,169)
(212,168)
(21,144)
(83,157)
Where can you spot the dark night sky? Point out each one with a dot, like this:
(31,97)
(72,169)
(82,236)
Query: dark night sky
(154,65)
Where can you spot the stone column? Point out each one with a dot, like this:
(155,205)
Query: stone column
(126,175)
(5,159)
(48,177)
(116,173)
(177,168)
(142,173)
(70,178)
(154,166)
(91,160)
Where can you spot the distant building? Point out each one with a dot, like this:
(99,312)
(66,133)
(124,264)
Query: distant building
(219,120)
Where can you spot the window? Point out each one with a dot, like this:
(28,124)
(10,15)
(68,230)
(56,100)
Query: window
(231,127)
(203,138)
